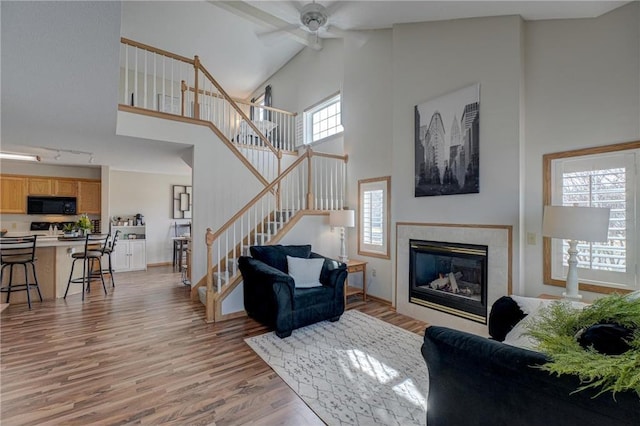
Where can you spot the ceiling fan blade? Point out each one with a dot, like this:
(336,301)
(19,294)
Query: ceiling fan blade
(282,31)
(358,37)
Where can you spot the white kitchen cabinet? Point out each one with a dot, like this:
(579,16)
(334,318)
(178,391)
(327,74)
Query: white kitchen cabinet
(130,255)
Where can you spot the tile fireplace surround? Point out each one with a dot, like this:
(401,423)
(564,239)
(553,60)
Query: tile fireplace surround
(498,239)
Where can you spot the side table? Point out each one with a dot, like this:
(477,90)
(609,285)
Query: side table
(352,267)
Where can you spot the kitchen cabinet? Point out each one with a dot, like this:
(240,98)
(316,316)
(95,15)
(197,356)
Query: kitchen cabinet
(13,198)
(130,255)
(65,187)
(89,196)
(52,186)
(39,186)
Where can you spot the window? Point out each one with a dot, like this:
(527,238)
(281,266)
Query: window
(373,206)
(597,177)
(323,120)
(259,113)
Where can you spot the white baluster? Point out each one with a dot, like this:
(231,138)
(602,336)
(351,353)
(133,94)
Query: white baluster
(126,74)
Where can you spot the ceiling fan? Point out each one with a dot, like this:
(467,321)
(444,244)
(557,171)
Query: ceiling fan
(313,24)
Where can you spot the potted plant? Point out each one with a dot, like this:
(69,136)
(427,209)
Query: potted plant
(84,224)
(69,230)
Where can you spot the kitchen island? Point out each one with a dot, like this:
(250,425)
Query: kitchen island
(53,265)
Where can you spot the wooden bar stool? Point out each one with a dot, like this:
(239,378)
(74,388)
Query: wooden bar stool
(94,248)
(16,251)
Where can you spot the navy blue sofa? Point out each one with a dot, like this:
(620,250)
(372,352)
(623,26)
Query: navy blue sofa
(271,298)
(479,381)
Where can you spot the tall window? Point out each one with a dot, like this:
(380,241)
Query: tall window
(323,120)
(597,177)
(373,207)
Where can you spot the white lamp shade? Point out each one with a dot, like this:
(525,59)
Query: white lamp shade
(345,218)
(576,223)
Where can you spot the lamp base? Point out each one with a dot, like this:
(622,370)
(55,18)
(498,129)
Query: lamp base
(572,297)
(343,259)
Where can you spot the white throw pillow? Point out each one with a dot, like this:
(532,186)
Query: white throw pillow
(305,272)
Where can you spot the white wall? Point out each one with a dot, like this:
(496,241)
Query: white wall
(431,59)
(582,90)
(368,136)
(151,195)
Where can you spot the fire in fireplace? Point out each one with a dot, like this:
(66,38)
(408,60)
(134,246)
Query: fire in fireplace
(449,277)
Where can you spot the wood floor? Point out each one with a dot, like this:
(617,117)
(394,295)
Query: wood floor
(142,355)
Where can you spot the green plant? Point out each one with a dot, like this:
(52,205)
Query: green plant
(84,222)
(68,227)
(556,329)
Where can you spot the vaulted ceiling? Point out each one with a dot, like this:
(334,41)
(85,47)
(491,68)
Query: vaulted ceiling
(60,60)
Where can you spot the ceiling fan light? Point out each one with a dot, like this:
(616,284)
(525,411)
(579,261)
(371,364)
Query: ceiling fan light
(313,16)
(313,25)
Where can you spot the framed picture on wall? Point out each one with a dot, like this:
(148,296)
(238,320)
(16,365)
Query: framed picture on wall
(182,201)
(447,144)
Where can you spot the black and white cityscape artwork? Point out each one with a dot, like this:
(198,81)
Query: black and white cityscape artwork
(447,143)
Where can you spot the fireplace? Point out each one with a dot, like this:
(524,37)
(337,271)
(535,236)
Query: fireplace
(449,277)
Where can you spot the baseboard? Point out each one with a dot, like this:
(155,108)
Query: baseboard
(233,315)
(151,265)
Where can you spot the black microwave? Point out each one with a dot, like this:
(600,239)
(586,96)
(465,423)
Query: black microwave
(51,205)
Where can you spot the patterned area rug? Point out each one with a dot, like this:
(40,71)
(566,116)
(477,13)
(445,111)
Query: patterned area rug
(357,371)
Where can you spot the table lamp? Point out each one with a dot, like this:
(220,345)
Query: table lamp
(575,224)
(342,219)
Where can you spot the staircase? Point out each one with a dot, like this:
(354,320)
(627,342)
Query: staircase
(160,83)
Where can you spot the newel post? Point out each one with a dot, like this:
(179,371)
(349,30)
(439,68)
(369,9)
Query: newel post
(309,179)
(196,86)
(210,308)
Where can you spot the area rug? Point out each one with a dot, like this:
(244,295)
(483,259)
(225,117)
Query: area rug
(356,371)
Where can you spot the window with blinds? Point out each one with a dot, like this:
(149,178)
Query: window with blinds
(373,207)
(601,180)
(373,216)
(323,120)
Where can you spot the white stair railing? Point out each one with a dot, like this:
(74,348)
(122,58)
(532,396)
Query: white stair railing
(158,80)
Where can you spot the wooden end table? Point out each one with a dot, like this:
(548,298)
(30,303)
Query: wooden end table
(354,266)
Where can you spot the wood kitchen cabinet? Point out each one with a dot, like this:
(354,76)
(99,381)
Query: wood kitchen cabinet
(89,196)
(39,186)
(52,186)
(13,198)
(65,187)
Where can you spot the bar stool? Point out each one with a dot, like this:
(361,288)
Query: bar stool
(108,250)
(111,246)
(19,251)
(94,248)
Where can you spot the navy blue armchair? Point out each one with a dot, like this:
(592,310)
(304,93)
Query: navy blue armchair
(270,295)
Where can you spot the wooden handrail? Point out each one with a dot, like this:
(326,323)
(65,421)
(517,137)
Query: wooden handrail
(268,108)
(156,50)
(243,102)
(239,111)
(268,188)
(344,158)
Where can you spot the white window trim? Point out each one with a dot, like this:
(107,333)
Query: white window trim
(307,129)
(384,183)
(596,281)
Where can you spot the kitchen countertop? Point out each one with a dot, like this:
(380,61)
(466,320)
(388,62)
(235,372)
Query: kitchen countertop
(49,240)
